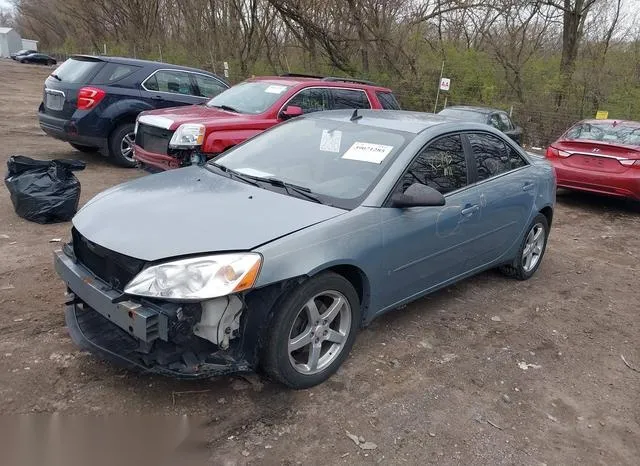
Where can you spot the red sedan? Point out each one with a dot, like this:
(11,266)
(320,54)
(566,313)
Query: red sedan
(599,156)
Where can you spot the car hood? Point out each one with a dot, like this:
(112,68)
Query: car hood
(192,211)
(171,118)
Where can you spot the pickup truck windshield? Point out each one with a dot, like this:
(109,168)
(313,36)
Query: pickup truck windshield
(249,97)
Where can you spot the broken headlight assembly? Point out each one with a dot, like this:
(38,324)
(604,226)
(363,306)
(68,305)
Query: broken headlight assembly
(197,278)
(187,136)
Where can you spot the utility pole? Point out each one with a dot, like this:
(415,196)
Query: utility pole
(438,93)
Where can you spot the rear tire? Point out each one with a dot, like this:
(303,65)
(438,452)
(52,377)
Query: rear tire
(531,250)
(298,331)
(85,149)
(121,145)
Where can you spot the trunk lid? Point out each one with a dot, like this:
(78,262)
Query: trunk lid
(597,155)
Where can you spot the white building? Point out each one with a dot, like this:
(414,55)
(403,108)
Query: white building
(10,42)
(29,44)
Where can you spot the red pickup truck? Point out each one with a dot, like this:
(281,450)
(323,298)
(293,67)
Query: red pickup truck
(177,137)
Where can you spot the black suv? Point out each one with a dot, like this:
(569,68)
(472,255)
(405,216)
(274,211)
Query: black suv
(92,102)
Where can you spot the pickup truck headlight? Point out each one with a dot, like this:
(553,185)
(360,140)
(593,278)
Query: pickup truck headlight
(197,278)
(187,136)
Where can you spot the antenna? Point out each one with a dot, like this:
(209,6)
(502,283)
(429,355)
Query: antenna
(355,116)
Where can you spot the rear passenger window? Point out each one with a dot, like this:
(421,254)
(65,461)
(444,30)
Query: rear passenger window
(388,100)
(493,156)
(175,82)
(113,72)
(207,86)
(349,99)
(441,165)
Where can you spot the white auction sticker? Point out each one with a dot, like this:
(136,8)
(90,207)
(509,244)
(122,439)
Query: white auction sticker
(330,141)
(367,152)
(275,89)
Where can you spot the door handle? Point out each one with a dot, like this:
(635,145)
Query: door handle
(528,187)
(470,210)
(157,97)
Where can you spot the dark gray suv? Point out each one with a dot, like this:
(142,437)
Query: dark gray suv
(92,102)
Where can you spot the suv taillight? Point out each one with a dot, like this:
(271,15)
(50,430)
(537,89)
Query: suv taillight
(89,97)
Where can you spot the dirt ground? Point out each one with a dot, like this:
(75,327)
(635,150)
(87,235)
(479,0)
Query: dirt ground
(491,371)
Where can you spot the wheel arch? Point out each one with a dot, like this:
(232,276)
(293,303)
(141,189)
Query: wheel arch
(548,213)
(358,279)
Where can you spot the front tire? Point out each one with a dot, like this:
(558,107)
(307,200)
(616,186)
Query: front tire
(312,332)
(121,145)
(531,252)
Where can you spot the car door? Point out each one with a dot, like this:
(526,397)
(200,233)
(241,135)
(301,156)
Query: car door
(426,246)
(507,190)
(169,88)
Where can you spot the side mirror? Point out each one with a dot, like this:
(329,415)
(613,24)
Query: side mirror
(418,195)
(291,111)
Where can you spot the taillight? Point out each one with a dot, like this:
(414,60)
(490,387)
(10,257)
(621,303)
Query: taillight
(553,152)
(630,162)
(89,97)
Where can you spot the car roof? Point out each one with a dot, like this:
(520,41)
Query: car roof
(139,62)
(398,120)
(300,80)
(471,108)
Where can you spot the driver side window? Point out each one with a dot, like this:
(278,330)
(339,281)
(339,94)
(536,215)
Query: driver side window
(311,100)
(441,165)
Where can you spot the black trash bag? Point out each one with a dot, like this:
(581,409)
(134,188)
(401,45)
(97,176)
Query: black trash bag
(44,191)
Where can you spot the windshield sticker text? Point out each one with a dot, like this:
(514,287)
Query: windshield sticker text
(367,152)
(330,141)
(275,89)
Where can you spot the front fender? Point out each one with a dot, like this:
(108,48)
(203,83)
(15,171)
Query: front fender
(218,141)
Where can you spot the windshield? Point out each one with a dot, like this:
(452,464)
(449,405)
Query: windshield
(249,97)
(77,71)
(338,162)
(612,132)
(464,115)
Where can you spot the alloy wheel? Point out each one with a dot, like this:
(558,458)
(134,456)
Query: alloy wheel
(126,146)
(319,332)
(533,247)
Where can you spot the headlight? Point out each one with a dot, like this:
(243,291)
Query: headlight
(187,136)
(197,278)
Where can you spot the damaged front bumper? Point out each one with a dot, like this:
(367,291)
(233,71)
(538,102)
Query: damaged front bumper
(179,340)
(153,162)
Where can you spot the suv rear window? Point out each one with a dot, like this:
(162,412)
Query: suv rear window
(388,100)
(77,71)
(113,72)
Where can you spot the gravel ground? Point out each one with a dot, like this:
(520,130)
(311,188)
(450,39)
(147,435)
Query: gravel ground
(490,371)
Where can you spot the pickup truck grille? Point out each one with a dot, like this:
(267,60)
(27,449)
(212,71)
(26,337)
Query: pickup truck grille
(153,139)
(113,268)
